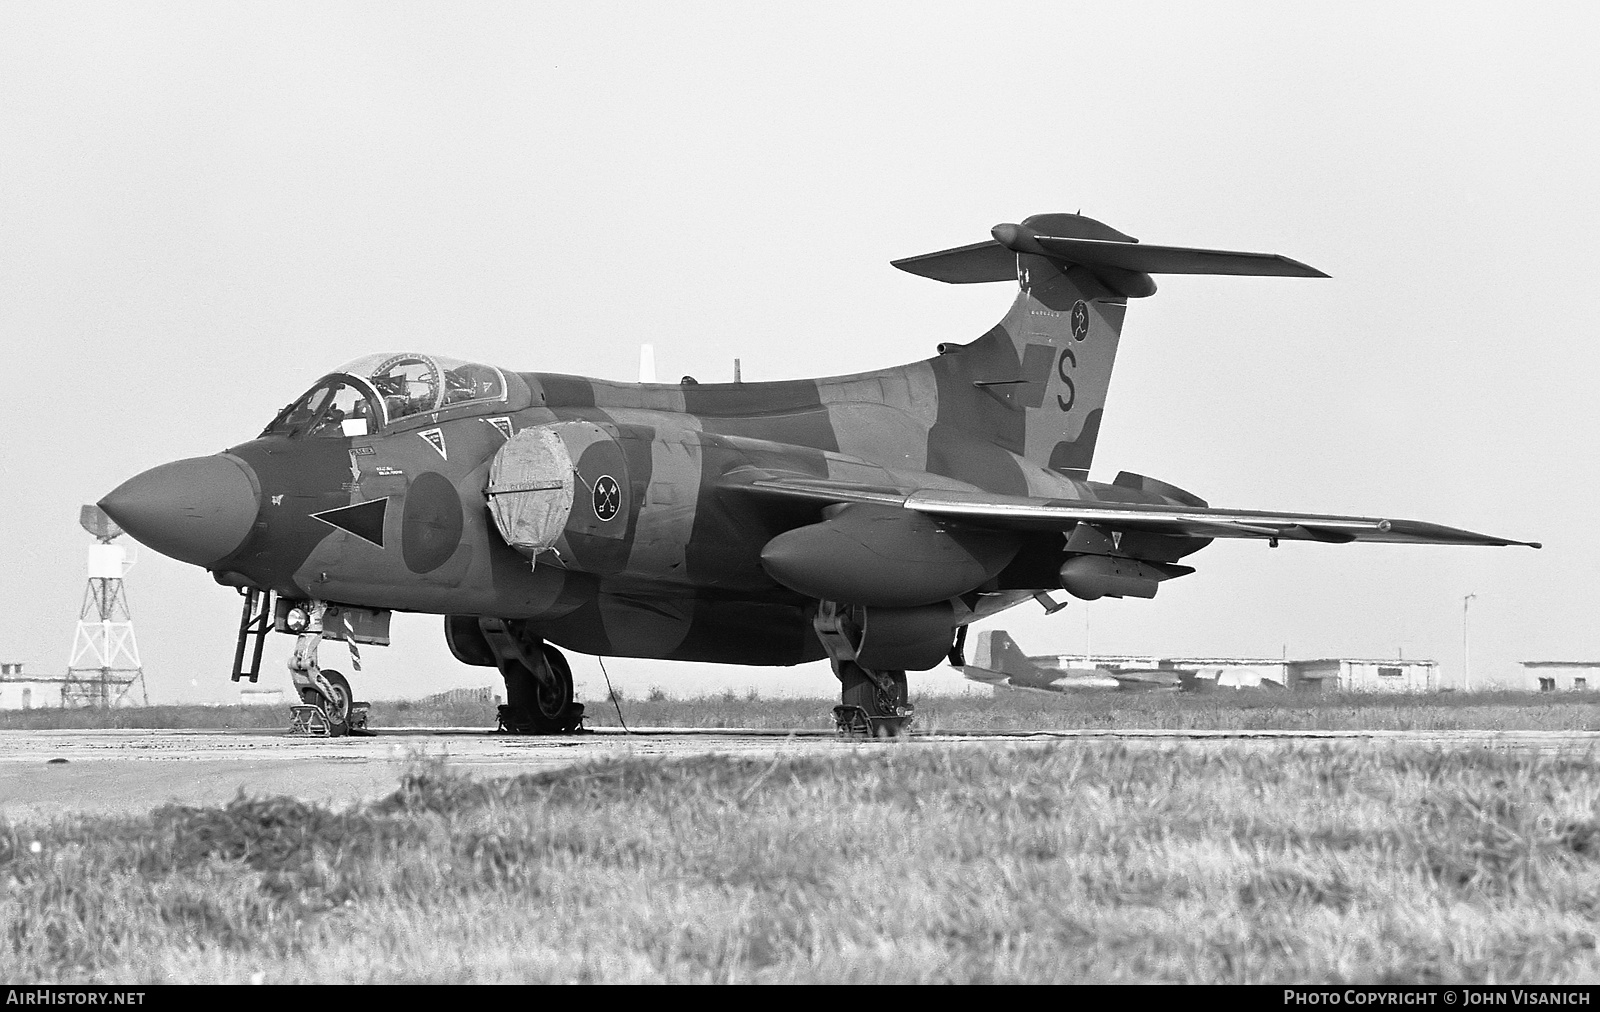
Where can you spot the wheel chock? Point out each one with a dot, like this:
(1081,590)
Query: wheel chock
(307,720)
(358,721)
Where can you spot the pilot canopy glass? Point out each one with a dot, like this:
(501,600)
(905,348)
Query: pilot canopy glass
(379,390)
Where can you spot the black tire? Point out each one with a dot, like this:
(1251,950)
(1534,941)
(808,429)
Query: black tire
(883,709)
(535,706)
(338,708)
(555,709)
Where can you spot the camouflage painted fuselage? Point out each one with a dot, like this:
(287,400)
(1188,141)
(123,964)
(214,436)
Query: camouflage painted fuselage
(733,522)
(676,571)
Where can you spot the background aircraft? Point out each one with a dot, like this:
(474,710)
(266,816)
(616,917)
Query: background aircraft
(867,518)
(996,659)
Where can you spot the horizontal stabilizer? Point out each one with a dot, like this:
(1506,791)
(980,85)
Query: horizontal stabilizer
(995,260)
(964,265)
(1173,259)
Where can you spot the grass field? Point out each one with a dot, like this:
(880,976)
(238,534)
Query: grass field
(1222,711)
(1011,711)
(895,862)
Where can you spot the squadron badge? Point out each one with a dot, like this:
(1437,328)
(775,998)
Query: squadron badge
(1080,320)
(435,439)
(607,497)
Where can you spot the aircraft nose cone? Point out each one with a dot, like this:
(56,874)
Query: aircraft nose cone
(197,510)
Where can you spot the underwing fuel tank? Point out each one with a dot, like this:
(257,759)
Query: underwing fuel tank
(1091,577)
(885,556)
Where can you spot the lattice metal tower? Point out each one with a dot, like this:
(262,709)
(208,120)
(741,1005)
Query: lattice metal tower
(105,657)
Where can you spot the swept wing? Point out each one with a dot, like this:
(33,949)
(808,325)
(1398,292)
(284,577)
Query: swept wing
(988,509)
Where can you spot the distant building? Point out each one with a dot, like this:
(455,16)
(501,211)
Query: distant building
(1350,674)
(1563,676)
(260,697)
(1332,674)
(22,691)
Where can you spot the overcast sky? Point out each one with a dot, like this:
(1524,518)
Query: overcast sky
(204,207)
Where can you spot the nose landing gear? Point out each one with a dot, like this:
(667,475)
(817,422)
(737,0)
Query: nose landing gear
(324,715)
(327,706)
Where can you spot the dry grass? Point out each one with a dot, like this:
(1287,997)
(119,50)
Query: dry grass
(1109,710)
(384,713)
(892,862)
(1011,711)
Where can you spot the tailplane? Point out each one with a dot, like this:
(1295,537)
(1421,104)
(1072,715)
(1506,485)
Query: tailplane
(1036,384)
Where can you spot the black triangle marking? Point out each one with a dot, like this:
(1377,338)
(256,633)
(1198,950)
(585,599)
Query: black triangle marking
(364,519)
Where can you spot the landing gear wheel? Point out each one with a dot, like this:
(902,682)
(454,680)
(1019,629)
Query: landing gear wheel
(337,708)
(867,708)
(557,712)
(540,705)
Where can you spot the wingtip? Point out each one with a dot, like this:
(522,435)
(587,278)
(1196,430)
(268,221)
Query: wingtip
(1307,270)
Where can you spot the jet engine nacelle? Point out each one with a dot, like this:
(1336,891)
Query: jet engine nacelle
(565,483)
(885,556)
(905,639)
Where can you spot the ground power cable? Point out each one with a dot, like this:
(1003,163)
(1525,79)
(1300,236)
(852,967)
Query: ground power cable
(613,694)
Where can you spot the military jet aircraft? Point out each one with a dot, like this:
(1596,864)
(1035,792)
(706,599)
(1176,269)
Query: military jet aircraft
(866,519)
(996,659)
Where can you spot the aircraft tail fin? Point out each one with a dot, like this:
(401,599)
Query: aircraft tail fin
(995,650)
(1036,384)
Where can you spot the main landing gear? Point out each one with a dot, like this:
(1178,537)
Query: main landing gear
(873,702)
(539,692)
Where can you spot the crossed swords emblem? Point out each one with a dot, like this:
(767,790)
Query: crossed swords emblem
(607,497)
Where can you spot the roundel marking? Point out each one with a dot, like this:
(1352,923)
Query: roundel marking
(607,497)
(1080,320)
(430,528)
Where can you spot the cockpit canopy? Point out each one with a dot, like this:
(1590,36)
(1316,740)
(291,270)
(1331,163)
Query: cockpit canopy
(377,391)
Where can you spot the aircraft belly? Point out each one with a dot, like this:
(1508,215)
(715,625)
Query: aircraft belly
(641,627)
(686,628)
